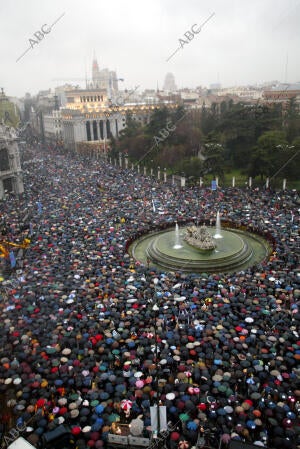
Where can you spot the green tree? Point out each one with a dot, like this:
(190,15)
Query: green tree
(214,159)
(268,156)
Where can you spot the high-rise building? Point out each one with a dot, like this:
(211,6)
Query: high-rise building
(169,84)
(104,79)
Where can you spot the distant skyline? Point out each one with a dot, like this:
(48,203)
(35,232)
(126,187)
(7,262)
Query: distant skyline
(242,43)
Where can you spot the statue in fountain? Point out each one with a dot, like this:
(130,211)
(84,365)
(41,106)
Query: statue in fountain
(200,238)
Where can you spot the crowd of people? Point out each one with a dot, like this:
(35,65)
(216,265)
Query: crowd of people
(91,339)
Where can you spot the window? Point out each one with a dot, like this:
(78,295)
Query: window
(8,184)
(4,160)
(88,131)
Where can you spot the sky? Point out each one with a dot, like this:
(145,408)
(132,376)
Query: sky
(242,42)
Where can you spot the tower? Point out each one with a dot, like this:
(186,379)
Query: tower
(95,73)
(104,78)
(169,84)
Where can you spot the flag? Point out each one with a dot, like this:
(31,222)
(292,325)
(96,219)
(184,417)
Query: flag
(40,207)
(214,185)
(13,261)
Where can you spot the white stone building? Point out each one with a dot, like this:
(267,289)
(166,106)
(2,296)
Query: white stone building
(10,168)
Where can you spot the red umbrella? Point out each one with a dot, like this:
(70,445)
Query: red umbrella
(126,404)
(175,436)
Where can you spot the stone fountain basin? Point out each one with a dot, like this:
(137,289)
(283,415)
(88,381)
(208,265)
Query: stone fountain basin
(235,251)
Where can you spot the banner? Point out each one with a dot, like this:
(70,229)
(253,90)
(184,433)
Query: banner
(162,418)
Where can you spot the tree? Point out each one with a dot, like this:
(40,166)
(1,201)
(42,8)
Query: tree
(268,156)
(214,159)
(292,120)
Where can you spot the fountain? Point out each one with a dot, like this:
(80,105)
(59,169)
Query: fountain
(200,238)
(218,234)
(177,238)
(234,251)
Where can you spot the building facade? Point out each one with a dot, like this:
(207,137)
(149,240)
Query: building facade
(11,180)
(89,119)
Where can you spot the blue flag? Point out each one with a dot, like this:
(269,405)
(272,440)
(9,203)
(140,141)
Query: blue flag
(214,185)
(13,261)
(40,207)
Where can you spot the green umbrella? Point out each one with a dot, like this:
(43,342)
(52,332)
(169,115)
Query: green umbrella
(114,417)
(50,350)
(229,392)
(184,417)
(74,396)
(94,403)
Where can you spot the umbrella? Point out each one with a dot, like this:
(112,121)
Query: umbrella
(225,438)
(183,445)
(99,409)
(114,417)
(192,425)
(251,424)
(170,396)
(184,417)
(126,404)
(136,426)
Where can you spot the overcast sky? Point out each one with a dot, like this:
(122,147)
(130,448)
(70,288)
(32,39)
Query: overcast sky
(244,42)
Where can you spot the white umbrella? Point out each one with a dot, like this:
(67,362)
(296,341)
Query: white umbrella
(170,396)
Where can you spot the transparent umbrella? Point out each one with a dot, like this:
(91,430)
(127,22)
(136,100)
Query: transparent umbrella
(136,426)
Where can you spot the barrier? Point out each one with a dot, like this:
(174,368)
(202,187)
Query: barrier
(138,441)
(127,441)
(117,440)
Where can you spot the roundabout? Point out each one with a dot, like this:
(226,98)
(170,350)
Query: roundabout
(236,250)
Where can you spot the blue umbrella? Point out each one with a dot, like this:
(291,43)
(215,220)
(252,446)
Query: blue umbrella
(120,388)
(146,404)
(191,425)
(251,424)
(99,409)
(103,395)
